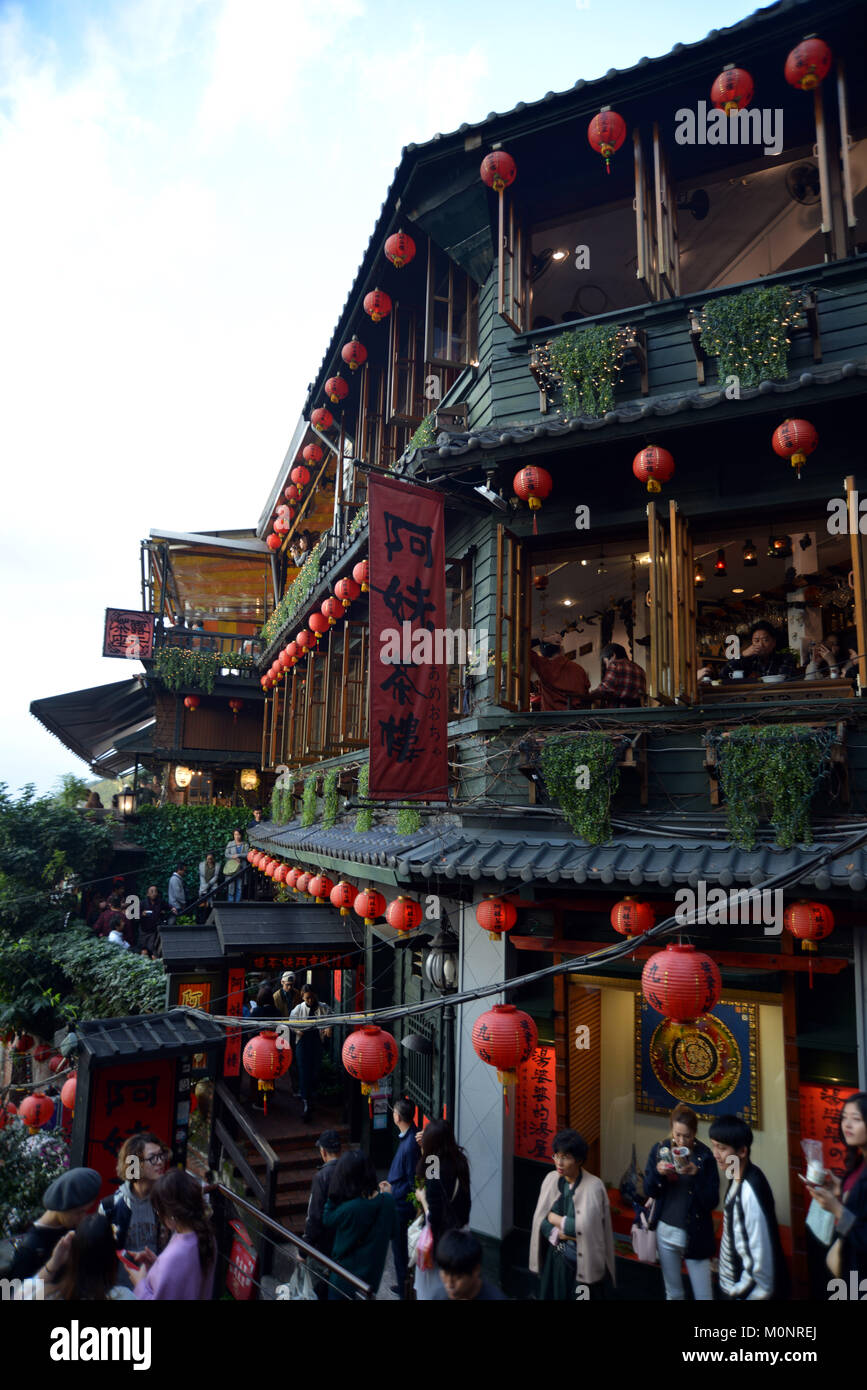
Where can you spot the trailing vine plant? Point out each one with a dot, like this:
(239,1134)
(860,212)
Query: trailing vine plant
(281,805)
(364,819)
(308,801)
(585,363)
(329,798)
(296,595)
(408,821)
(179,668)
(424,436)
(773,766)
(581,776)
(747,332)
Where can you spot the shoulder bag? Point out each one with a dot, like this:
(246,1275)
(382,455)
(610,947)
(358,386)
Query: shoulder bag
(643,1239)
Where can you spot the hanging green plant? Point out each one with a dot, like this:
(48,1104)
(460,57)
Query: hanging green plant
(182,668)
(408,821)
(585,363)
(296,595)
(359,520)
(364,819)
(774,767)
(425,435)
(281,805)
(581,776)
(308,801)
(329,798)
(747,332)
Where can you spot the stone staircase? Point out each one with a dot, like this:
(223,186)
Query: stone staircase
(298,1162)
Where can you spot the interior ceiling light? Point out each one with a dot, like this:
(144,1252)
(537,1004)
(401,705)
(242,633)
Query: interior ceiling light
(720,563)
(751,555)
(737,591)
(559,255)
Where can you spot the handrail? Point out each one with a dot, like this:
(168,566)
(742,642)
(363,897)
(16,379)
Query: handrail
(366,1290)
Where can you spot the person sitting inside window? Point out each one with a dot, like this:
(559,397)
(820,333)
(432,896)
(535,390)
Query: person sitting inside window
(563,684)
(623,681)
(759,658)
(829,658)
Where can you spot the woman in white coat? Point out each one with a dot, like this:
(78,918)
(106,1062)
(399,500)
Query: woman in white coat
(572,1242)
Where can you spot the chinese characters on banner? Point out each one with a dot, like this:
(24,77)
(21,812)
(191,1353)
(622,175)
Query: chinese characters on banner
(234,1007)
(820,1119)
(536,1106)
(408,704)
(305,961)
(127,1098)
(196,995)
(128,634)
(242,1264)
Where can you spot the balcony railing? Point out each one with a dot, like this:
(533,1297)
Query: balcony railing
(219,643)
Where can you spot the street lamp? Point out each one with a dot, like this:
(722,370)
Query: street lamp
(249,779)
(126,802)
(441,962)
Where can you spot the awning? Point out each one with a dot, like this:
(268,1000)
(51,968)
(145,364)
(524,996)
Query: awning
(90,722)
(216,577)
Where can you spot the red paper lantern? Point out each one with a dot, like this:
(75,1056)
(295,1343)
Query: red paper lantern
(7,1113)
(606,133)
(498,170)
(281,526)
(400,249)
(279,874)
(318,623)
(270,868)
(67,1093)
(273,541)
(404,914)
(533,485)
(496,915)
(293,651)
(336,389)
(343,895)
(22,1043)
(347,590)
(320,887)
(653,466)
(504,1037)
(56,1064)
(377,304)
(631,918)
(302,882)
(322,419)
(284,509)
(292,877)
(236,706)
(369,1054)
(192,702)
(304,639)
(369,904)
(251,855)
(361,575)
(809,922)
(36,1111)
(42,1052)
(266,1057)
(300,476)
(333,609)
(311,453)
(354,354)
(795,439)
(732,90)
(681,983)
(808,64)
(292,493)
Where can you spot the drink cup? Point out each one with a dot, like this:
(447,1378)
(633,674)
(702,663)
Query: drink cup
(737,675)
(816,1174)
(680,1154)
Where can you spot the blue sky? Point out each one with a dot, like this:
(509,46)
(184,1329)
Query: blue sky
(188,188)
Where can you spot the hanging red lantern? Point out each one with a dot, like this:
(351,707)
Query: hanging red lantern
(343,895)
(808,64)
(273,541)
(22,1043)
(533,485)
(732,90)
(809,922)
(606,133)
(369,904)
(292,878)
(361,575)
(336,389)
(498,170)
(377,304)
(302,882)
(292,493)
(266,1057)
(251,855)
(404,914)
(269,868)
(320,887)
(369,1054)
(7,1113)
(653,466)
(333,609)
(67,1093)
(279,874)
(294,653)
(354,354)
(304,639)
(318,623)
(681,983)
(284,509)
(496,915)
(347,590)
(631,918)
(42,1052)
(192,702)
(400,249)
(300,476)
(56,1064)
(311,453)
(795,439)
(322,419)
(36,1111)
(236,706)
(281,526)
(504,1037)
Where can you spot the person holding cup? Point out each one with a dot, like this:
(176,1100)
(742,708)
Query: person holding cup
(846,1197)
(759,658)
(683,1180)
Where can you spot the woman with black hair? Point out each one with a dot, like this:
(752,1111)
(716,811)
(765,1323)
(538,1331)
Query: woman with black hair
(444,1194)
(847,1197)
(363,1219)
(572,1242)
(82,1266)
(185,1269)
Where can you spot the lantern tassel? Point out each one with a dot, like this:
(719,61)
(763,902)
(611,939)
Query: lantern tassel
(535,525)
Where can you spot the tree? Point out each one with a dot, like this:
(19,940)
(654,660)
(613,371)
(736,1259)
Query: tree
(71,790)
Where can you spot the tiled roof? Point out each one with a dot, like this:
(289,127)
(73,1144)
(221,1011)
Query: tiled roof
(174,1032)
(508,436)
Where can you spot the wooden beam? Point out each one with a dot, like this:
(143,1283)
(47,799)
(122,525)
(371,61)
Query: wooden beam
(730,960)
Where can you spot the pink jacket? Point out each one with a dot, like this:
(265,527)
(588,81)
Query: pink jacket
(594,1235)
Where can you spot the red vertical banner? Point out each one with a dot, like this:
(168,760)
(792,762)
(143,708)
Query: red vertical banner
(821,1107)
(234,1007)
(127,1097)
(408,643)
(536,1106)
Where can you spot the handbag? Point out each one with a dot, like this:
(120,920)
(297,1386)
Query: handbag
(643,1239)
(424,1248)
(300,1287)
(413,1232)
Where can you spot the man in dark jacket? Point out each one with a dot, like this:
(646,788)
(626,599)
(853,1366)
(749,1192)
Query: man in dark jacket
(752,1265)
(400,1182)
(67,1201)
(315,1233)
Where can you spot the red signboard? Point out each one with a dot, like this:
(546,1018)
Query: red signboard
(125,1099)
(195,995)
(536,1106)
(128,634)
(304,960)
(234,1007)
(821,1107)
(408,643)
(242,1264)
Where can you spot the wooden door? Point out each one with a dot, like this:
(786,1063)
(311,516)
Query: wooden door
(683,607)
(661,676)
(512,635)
